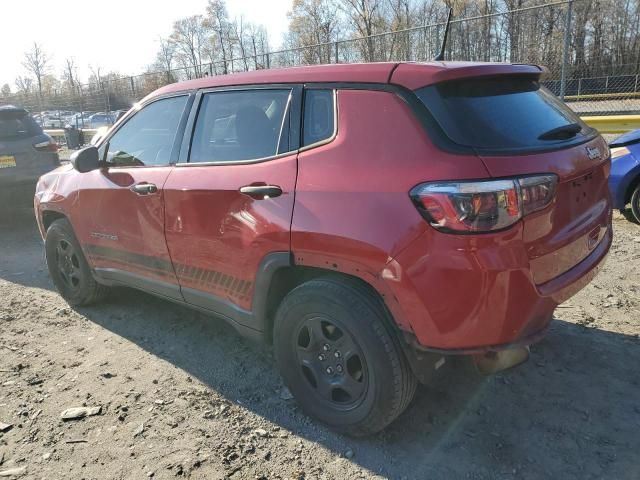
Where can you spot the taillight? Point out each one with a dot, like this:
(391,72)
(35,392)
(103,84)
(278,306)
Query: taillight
(46,146)
(537,192)
(482,206)
(618,152)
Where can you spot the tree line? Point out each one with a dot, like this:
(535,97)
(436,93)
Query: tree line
(604,39)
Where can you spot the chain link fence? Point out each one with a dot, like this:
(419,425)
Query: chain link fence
(593,81)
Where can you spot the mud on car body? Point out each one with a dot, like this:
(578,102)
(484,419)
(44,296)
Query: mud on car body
(368,220)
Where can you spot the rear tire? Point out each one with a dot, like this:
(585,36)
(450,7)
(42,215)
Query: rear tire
(635,204)
(68,267)
(339,356)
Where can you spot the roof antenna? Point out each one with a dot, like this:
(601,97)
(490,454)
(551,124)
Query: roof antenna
(440,56)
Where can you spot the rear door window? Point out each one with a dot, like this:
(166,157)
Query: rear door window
(505,113)
(242,125)
(17,124)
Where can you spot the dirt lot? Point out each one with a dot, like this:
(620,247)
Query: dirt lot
(181,395)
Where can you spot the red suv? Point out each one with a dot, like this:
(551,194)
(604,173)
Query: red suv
(368,220)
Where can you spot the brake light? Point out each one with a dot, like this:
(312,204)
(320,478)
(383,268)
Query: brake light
(482,206)
(46,146)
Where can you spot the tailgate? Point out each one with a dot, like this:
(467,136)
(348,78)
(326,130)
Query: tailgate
(519,128)
(563,234)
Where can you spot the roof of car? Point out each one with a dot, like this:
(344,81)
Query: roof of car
(11,108)
(407,74)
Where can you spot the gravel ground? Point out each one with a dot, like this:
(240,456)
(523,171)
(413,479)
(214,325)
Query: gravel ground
(181,395)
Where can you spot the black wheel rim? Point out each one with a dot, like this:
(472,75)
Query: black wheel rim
(68,265)
(331,363)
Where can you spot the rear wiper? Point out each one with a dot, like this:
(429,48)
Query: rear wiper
(562,133)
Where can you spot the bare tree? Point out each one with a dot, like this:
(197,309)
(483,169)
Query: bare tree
(239,29)
(165,55)
(24,84)
(313,22)
(189,39)
(70,72)
(36,61)
(367,18)
(95,72)
(5,91)
(218,20)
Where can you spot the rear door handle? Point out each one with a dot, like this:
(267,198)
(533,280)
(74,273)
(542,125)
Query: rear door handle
(144,188)
(261,192)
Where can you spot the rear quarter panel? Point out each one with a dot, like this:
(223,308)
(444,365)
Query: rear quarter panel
(353,213)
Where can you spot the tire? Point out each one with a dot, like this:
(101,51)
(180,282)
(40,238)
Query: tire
(339,356)
(68,267)
(635,204)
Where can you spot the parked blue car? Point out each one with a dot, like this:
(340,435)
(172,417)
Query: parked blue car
(624,181)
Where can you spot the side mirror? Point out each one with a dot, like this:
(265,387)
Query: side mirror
(86,160)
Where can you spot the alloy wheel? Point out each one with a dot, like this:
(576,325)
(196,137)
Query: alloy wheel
(68,264)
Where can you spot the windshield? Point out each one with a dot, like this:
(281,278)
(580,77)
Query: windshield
(501,113)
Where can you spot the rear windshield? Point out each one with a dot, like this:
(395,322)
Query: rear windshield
(501,113)
(17,124)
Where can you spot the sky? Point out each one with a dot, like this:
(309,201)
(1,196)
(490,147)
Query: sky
(116,35)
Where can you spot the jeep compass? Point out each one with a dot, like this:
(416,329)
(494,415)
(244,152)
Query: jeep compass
(370,221)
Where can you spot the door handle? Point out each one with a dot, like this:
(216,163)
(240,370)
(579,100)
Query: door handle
(144,188)
(261,192)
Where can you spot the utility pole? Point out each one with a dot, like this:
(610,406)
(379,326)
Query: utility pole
(565,50)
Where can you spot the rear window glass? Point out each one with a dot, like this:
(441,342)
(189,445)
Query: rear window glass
(17,124)
(501,113)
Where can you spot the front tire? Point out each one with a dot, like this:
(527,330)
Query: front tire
(68,267)
(339,356)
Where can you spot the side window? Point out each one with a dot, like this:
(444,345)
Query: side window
(147,137)
(240,125)
(318,124)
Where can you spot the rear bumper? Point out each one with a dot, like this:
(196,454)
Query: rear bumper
(476,293)
(19,177)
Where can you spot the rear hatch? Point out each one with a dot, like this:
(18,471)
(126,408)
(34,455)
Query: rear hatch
(518,128)
(25,150)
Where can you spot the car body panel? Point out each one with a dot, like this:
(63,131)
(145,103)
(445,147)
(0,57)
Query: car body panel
(346,188)
(563,234)
(625,169)
(217,236)
(476,292)
(120,230)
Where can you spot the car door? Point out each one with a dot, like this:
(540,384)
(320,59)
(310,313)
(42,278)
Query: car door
(229,201)
(120,219)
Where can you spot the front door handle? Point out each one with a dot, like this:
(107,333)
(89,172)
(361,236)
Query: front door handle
(261,192)
(144,188)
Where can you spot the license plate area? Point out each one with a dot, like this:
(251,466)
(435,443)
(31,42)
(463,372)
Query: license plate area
(7,161)
(582,190)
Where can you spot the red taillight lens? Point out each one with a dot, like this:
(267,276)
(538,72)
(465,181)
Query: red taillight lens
(484,206)
(46,146)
